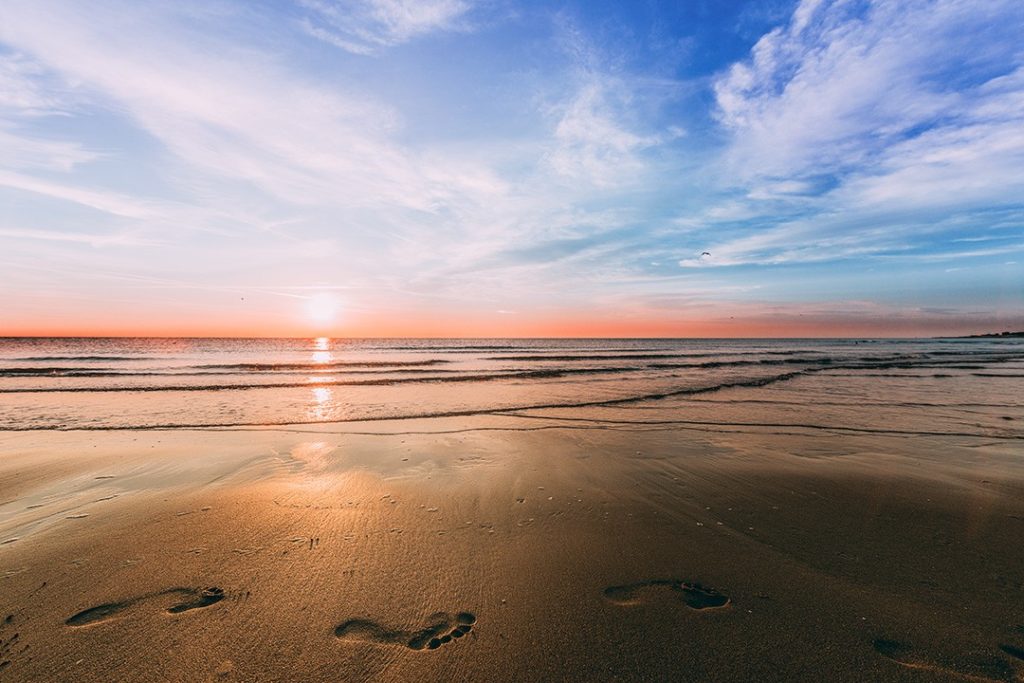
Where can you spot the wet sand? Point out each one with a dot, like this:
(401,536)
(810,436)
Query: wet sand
(617,544)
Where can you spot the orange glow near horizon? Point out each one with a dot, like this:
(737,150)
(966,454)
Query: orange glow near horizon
(563,324)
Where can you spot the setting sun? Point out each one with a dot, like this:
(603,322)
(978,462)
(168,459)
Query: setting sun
(322,308)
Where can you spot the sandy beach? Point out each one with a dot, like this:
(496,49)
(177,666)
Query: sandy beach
(602,544)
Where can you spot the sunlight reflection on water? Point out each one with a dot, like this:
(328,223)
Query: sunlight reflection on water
(319,408)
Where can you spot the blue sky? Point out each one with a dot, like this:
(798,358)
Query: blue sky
(497,167)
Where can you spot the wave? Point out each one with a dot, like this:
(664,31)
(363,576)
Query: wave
(432,374)
(483,410)
(481,377)
(265,367)
(76,373)
(455,347)
(232,368)
(642,356)
(756,382)
(517,410)
(397,366)
(86,358)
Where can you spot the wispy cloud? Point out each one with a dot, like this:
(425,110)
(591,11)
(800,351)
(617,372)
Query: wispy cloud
(96,240)
(365,26)
(23,151)
(251,142)
(118,205)
(881,120)
(235,116)
(535,167)
(597,137)
(591,143)
(843,81)
(27,88)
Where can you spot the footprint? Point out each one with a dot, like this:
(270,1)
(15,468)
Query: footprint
(976,666)
(198,599)
(10,643)
(694,595)
(190,598)
(1012,650)
(442,628)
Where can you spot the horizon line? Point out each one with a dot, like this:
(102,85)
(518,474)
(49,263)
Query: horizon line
(1007,333)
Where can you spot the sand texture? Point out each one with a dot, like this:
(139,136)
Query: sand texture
(604,544)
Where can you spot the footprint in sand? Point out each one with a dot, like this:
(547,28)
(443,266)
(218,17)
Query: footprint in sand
(442,628)
(185,599)
(1012,650)
(693,595)
(976,666)
(10,643)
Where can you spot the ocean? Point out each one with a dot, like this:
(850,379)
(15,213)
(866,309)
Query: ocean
(176,383)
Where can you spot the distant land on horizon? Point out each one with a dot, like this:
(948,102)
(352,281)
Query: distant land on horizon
(988,335)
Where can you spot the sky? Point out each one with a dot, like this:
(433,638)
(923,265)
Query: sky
(504,168)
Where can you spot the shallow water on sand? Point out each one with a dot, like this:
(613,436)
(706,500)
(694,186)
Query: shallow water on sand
(179,383)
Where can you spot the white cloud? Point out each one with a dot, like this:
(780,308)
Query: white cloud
(122,239)
(304,175)
(107,202)
(234,114)
(25,152)
(365,26)
(591,144)
(28,92)
(597,137)
(26,88)
(912,113)
(311,170)
(831,90)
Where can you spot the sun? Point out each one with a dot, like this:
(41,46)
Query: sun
(322,308)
